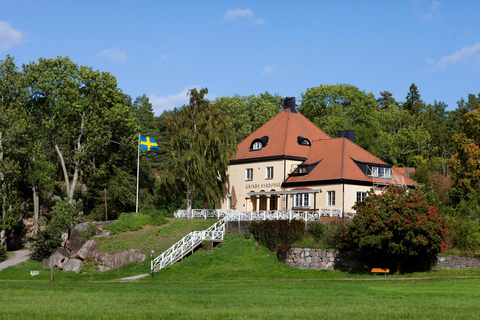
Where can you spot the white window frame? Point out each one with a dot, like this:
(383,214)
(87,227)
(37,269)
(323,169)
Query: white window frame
(361,195)
(249,174)
(257,145)
(269,173)
(301,200)
(372,171)
(385,173)
(330,198)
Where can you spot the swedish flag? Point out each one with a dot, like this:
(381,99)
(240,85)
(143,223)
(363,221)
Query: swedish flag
(148,144)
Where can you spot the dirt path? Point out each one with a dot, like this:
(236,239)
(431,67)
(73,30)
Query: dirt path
(19,257)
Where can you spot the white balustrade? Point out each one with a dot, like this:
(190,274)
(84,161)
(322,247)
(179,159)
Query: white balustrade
(233,215)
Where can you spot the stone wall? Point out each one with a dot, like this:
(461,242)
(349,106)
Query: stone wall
(455,262)
(318,259)
(322,259)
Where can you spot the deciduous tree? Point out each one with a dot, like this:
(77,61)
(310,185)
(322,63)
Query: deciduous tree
(202,145)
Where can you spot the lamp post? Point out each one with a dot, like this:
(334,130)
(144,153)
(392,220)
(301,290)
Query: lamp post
(152,254)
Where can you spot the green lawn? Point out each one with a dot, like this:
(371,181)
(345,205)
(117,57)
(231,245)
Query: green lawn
(240,299)
(237,280)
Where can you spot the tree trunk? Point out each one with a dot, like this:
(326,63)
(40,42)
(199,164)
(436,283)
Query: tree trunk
(189,202)
(399,266)
(36,209)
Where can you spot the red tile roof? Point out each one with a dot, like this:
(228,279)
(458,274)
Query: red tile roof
(282,132)
(337,159)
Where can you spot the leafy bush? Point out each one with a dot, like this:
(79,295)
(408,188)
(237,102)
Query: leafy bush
(45,243)
(134,221)
(316,229)
(3,253)
(278,235)
(64,214)
(397,228)
(467,236)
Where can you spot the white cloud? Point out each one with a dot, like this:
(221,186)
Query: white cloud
(245,14)
(458,57)
(113,55)
(267,70)
(161,104)
(238,13)
(164,57)
(433,11)
(9,37)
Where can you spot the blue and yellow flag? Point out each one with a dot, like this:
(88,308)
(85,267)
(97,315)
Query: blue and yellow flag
(148,144)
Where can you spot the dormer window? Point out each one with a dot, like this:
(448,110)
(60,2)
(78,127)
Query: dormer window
(379,172)
(303,170)
(303,141)
(258,144)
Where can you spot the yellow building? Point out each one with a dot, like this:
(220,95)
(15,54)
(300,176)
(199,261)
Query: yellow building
(291,164)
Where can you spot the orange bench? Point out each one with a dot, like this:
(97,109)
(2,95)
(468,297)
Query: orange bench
(380,270)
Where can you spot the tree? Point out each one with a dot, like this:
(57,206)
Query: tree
(398,138)
(386,99)
(413,102)
(82,111)
(343,107)
(465,163)
(245,114)
(12,130)
(202,145)
(398,227)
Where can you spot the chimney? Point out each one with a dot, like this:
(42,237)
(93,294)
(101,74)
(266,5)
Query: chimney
(349,134)
(289,103)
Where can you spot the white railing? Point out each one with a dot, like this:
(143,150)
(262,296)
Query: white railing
(233,215)
(187,244)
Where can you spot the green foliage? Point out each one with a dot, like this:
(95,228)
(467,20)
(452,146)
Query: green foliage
(202,145)
(45,243)
(397,227)
(277,235)
(64,214)
(245,114)
(316,229)
(134,221)
(467,236)
(342,107)
(3,253)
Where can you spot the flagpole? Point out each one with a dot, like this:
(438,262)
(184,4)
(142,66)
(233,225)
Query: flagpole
(138,171)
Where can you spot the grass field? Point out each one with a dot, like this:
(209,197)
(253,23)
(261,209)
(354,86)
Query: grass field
(237,280)
(242,299)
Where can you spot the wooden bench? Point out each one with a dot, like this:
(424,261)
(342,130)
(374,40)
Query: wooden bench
(380,270)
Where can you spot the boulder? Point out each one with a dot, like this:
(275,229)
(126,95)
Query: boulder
(73,265)
(80,234)
(103,268)
(88,250)
(58,258)
(118,259)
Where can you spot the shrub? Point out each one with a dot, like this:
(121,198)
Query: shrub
(134,221)
(467,236)
(45,243)
(316,229)
(396,228)
(273,233)
(3,253)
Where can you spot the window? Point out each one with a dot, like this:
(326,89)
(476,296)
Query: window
(301,200)
(361,196)
(379,172)
(305,142)
(330,198)
(269,173)
(249,175)
(257,145)
(372,171)
(303,170)
(384,173)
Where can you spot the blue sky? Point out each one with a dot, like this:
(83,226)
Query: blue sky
(163,48)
